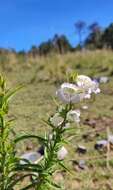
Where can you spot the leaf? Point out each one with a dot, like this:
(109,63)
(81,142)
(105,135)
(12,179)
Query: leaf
(53,184)
(69,129)
(55,101)
(11,93)
(20,179)
(64,141)
(22,137)
(47,123)
(64,167)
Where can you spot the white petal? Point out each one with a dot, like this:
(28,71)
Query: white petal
(62,153)
(57,120)
(69,93)
(73,116)
(87,96)
(83,81)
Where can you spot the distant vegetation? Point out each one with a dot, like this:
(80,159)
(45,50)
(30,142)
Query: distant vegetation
(95,38)
(90,37)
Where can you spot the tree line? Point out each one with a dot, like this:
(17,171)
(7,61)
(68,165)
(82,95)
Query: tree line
(90,37)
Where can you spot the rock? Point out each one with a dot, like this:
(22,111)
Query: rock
(82,164)
(31,157)
(41,150)
(102,79)
(81,149)
(84,107)
(79,164)
(101,144)
(91,122)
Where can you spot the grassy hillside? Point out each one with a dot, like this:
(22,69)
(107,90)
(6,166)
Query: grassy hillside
(42,76)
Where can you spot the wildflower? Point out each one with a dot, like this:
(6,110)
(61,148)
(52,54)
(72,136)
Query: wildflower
(83,81)
(87,96)
(73,116)
(61,154)
(88,85)
(95,87)
(70,93)
(56,120)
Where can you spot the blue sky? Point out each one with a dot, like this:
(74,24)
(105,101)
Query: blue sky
(24,23)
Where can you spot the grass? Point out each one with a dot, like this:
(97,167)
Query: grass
(41,77)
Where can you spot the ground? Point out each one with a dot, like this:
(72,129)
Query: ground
(41,77)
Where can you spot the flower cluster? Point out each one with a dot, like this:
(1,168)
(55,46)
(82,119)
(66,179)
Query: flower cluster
(81,89)
(69,93)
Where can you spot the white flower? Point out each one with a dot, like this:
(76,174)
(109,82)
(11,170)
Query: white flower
(87,96)
(97,91)
(73,116)
(84,81)
(88,85)
(95,87)
(62,153)
(70,93)
(73,93)
(56,120)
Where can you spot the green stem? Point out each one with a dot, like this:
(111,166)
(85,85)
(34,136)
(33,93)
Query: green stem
(50,160)
(3,154)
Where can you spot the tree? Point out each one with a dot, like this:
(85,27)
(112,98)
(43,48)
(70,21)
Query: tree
(80,29)
(94,27)
(107,36)
(46,48)
(94,39)
(61,44)
(34,51)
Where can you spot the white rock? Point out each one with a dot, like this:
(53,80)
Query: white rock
(31,157)
(101,144)
(81,149)
(82,164)
(84,107)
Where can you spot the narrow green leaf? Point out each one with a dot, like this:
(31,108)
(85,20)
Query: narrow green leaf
(64,167)
(20,179)
(53,184)
(22,137)
(11,93)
